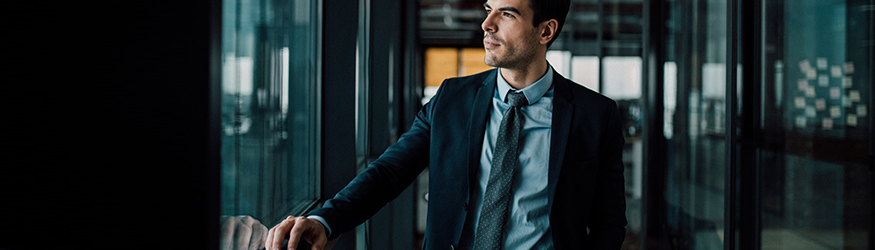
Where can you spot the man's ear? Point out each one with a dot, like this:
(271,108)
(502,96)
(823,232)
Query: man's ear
(547,30)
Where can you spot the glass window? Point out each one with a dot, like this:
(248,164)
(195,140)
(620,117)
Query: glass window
(270,108)
(816,184)
(694,92)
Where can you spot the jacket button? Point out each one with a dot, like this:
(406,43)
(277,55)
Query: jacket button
(465,206)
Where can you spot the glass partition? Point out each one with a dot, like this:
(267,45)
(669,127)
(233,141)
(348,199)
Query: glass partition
(270,108)
(816,182)
(695,96)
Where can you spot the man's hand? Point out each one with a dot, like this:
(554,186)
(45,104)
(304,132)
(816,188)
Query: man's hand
(242,233)
(295,229)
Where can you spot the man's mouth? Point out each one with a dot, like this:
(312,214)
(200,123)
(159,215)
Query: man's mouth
(489,45)
(490,42)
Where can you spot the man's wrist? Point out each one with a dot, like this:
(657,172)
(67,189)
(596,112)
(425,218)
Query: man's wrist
(321,221)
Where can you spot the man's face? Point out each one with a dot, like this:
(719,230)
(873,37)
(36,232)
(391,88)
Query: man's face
(509,38)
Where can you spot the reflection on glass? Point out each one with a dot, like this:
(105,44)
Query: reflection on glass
(269,108)
(694,92)
(816,184)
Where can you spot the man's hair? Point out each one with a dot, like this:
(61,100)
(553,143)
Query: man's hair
(550,9)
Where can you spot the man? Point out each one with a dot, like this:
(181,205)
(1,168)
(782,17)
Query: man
(519,156)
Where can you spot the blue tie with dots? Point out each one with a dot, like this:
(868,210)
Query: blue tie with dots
(505,158)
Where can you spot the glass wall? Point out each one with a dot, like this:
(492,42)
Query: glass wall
(816,180)
(694,92)
(270,107)
(766,127)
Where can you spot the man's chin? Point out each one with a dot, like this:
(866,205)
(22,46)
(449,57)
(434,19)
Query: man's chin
(490,61)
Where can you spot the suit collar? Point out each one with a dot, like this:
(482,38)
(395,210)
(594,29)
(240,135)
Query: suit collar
(533,92)
(562,88)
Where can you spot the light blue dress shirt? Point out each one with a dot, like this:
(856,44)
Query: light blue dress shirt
(529,223)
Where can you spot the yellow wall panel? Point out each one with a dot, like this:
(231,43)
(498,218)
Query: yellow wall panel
(472,61)
(440,64)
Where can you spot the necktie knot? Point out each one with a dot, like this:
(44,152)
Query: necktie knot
(517,99)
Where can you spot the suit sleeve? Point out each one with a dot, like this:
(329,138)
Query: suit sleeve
(383,180)
(608,219)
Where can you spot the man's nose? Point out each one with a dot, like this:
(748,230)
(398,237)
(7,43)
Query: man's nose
(488,24)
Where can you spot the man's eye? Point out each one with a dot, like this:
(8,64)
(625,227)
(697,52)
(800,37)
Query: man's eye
(508,14)
(488,11)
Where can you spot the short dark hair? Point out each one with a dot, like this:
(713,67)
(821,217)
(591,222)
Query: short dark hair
(550,9)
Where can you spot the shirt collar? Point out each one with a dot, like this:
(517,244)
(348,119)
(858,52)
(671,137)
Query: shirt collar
(533,92)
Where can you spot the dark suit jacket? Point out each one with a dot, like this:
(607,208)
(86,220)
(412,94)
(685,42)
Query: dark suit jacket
(585,170)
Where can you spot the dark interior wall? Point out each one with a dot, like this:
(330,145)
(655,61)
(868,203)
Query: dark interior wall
(109,126)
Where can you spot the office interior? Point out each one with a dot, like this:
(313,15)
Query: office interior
(748,124)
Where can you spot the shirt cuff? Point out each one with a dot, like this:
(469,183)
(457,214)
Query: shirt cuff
(321,220)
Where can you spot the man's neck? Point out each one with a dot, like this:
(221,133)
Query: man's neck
(525,76)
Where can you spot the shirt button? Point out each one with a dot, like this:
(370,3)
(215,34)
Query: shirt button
(465,206)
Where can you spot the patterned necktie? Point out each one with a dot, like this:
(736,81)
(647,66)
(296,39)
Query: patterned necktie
(505,158)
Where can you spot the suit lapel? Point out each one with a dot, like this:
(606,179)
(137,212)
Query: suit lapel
(480,110)
(563,111)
